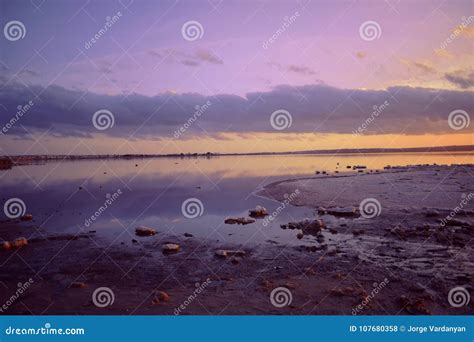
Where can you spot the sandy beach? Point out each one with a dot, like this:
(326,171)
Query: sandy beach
(405,260)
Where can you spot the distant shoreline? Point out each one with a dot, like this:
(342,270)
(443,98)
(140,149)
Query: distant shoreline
(8,161)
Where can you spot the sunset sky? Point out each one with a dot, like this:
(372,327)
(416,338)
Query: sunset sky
(310,60)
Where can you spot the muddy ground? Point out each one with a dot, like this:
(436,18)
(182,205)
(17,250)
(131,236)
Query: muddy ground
(403,261)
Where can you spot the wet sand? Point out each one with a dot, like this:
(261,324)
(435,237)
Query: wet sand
(406,248)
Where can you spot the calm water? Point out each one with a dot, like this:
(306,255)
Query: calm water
(61,196)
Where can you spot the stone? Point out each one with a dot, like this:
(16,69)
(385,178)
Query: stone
(144,231)
(170,247)
(259,211)
(6,245)
(77,285)
(224,253)
(19,242)
(188,235)
(342,212)
(239,220)
(432,213)
(312,227)
(27,217)
(160,296)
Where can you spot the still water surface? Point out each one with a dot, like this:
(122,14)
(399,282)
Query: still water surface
(63,195)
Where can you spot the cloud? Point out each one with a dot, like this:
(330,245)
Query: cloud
(299,69)
(314,108)
(208,56)
(462,78)
(190,62)
(468,32)
(193,59)
(443,53)
(424,67)
(28,73)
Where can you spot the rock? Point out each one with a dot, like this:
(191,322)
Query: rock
(188,235)
(342,212)
(359,167)
(19,242)
(312,227)
(170,248)
(432,213)
(160,296)
(239,220)
(27,217)
(337,292)
(144,231)
(322,211)
(300,235)
(259,211)
(78,285)
(456,222)
(266,285)
(221,253)
(6,245)
(224,253)
(134,241)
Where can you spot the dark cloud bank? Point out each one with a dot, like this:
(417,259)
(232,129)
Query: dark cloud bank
(314,108)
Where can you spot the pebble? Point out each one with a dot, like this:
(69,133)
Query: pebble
(170,247)
(160,296)
(144,231)
(27,217)
(77,285)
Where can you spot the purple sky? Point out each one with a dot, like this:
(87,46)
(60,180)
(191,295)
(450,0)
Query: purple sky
(143,65)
